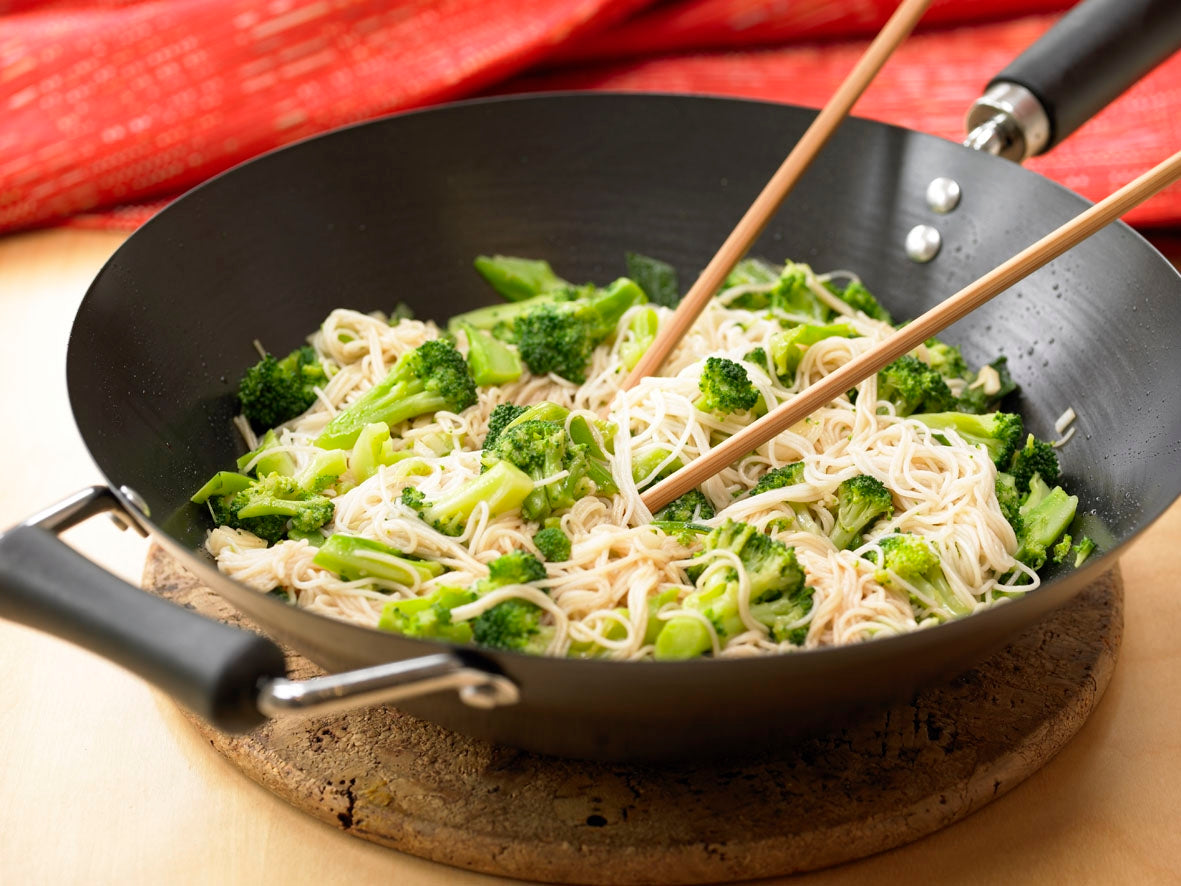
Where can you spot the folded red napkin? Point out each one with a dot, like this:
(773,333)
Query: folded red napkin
(110,107)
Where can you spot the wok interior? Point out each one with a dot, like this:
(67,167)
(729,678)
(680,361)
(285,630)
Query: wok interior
(394,211)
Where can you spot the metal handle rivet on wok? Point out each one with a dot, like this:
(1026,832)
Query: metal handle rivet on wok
(496,692)
(943,194)
(135,500)
(922,243)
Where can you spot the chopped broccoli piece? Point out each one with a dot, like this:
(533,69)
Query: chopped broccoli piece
(1035,457)
(401,311)
(1043,521)
(757,356)
(646,468)
(787,348)
(613,630)
(221,483)
(913,560)
(501,416)
(658,279)
(752,272)
(278,496)
(498,319)
(788,475)
(856,296)
(512,624)
(976,399)
(793,295)
(913,386)
(946,359)
(1009,499)
(429,617)
(773,575)
(561,337)
(543,449)
(432,377)
(638,337)
(1062,549)
(504,487)
(998,432)
(725,387)
(553,543)
(513,568)
(689,508)
(492,361)
(323,470)
(860,501)
(518,279)
(276,462)
(372,450)
(354,558)
(273,391)
(1083,550)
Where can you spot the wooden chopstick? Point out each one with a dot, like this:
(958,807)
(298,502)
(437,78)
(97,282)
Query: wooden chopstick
(776,190)
(914,334)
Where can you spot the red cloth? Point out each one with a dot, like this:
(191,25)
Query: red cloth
(109,107)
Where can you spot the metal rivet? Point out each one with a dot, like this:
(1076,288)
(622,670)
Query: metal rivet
(922,243)
(495,692)
(136,500)
(943,194)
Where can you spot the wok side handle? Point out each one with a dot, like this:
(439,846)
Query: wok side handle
(211,668)
(1094,53)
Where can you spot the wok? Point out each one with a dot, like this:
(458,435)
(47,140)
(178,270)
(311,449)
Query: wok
(394,210)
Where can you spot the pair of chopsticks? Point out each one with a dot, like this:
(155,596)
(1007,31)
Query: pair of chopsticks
(905,339)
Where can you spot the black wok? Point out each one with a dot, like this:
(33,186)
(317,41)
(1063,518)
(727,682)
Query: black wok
(394,210)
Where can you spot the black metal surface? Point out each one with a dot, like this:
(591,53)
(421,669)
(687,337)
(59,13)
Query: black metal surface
(395,210)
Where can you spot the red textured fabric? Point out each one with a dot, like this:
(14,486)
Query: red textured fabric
(110,107)
(928,84)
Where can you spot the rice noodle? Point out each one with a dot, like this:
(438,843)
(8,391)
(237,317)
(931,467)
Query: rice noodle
(943,491)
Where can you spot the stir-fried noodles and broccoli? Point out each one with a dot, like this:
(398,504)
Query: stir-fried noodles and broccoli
(480,483)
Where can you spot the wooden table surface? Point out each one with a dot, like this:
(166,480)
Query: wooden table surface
(103,781)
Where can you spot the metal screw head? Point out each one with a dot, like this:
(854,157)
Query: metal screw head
(492,693)
(943,194)
(136,500)
(922,243)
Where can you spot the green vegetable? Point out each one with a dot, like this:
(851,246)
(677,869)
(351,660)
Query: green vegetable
(638,337)
(998,432)
(277,462)
(492,362)
(778,596)
(514,623)
(553,543)
(725,387)
(432,377)
(323,470)
(787,348)
(354,558)
(974,399)
(501,415)
(1035,457)
(860,501)
(788,475)
(429,617)
(689,508)
(268,507)
(856,296)
(221,483)
(658,279)
(504,487)
(913,386)
(273,391)
(518,278)
(1083,550)
(913,560)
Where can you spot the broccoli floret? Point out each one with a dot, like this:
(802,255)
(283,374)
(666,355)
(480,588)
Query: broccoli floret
(553,543)
(429,616)
(658,279)
(354,558)
(793,295)
(503,487)
(323,470)
(273,391)
(978,397)
(856,296)
(725,387)
(788,475)
(1083,550)
(773,574)
(946,359)
(1009,499)
(492,361)
(787,348)
(514,623)
(689,508)
(1035,457)
(646,466)
(638,337)
(278,496)
(561,337)
(913,386)
(998,432)
(757,356)
(860,501)
(761,276)
(913,560)
(401,311)
(221,483)
(543,449)
(268,458)
(432,377)
(1062,548)
(518,279)
(500,418)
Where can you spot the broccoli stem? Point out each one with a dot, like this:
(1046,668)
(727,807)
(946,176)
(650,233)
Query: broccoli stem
(503,486)
(221,483)
(353,558)
(518,278)
(639,335)
(492,361)
(269,462)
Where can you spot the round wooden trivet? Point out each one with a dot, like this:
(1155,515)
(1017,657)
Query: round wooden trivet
(390,778)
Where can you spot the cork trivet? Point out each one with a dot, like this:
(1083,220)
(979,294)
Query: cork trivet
(395,780)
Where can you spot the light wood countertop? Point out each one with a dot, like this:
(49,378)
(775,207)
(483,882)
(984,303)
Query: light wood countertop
(103,780)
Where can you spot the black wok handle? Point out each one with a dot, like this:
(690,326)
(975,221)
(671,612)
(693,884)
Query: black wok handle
(213,669)
(1093,54)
